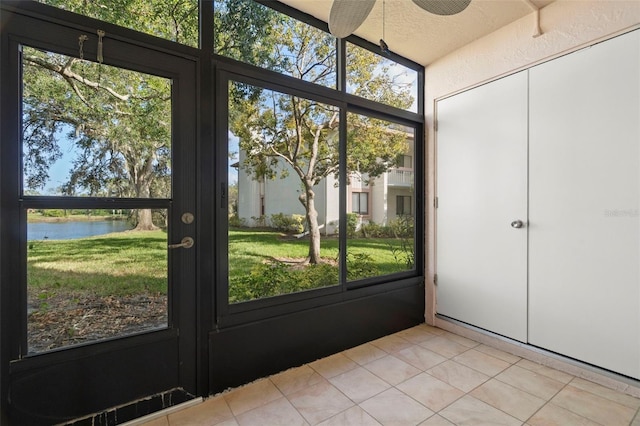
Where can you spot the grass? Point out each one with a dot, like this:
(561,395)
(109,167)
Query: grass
(121,263)
(127,263)
(248,248)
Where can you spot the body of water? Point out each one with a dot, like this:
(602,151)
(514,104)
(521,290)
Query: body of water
(72,230)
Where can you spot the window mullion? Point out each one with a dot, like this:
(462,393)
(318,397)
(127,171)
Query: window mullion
(342,228)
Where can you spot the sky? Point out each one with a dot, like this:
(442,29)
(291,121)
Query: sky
(59,171)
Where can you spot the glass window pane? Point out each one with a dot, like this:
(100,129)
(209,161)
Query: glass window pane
(283,194)
(256,34)
(381,222)
(379,79)
(360,203)
(94,130)
(90,277)
(175,20)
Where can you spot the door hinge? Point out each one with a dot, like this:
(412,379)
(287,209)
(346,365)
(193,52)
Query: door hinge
(435,202)
(435,279)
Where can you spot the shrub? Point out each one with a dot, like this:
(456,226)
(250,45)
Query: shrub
(288,223)
(352,224)
(275,278)
(236,222)
(373,230)
(260,221)
(402,226)
(360,265)
(54,213)
(316,276)
(263,281)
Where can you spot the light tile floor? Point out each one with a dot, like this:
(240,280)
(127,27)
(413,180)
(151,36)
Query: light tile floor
(421,376)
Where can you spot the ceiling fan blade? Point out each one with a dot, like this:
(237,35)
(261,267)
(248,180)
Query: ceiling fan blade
(347,15)
(443,7)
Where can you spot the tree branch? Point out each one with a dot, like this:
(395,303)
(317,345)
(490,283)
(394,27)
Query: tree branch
(67,74)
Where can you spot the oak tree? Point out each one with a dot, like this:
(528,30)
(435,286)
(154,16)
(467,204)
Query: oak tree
(282,134)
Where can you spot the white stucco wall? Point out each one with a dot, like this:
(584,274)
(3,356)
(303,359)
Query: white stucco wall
(378,203)
(248,194)
(567,25)
(281,196)
(331,207)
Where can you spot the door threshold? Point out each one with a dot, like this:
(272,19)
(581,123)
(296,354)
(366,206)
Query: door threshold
(165,412)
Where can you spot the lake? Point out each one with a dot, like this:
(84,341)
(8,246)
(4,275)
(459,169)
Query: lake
(72,230)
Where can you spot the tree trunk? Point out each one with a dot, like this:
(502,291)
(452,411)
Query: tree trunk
(145,221)
(308,201)
(144,216)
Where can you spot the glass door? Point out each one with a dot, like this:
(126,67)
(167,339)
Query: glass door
(104,224)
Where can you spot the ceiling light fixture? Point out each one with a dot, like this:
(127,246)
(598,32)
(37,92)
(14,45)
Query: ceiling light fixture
(384,48)
(347,15)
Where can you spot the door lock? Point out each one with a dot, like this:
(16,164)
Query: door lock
(187,218)
(187,242)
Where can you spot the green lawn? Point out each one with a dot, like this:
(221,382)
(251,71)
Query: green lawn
(248,248)
(121,263)
(128,263)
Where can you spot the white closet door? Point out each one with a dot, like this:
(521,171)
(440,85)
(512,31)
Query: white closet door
(482,189)
(584,279)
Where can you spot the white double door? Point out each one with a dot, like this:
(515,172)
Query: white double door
(556,147)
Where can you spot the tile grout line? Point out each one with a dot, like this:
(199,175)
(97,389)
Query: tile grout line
(602,396)
(396,386)
(451,358)
(413,344)
(549,401)
(636,417)
(480,385)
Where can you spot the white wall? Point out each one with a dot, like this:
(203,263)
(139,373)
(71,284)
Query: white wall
(281,196)
(332,206)
(567,25)
(248,194)
(379,203)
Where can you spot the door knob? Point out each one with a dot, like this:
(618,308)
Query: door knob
(187,242)
(517,224)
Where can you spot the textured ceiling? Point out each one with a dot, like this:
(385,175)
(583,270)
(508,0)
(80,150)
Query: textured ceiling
(422,36)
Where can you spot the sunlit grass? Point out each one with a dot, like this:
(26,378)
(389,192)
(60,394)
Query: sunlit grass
(126,263)
(113,264)
(248,248)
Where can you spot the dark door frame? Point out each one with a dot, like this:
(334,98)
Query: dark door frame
(74,382)
(226,353)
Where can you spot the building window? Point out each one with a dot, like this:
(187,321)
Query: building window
(403,205)
(360,203)
(405,161)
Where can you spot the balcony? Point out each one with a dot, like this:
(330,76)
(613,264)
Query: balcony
(400,177)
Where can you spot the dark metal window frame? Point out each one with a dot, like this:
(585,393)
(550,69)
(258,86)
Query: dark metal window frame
(215,73)
(59,27)
(213,310)
(241,313)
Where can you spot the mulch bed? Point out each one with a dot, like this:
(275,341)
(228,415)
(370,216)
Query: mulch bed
(64,319)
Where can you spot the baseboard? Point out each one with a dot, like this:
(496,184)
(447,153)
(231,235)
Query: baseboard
(568,365)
